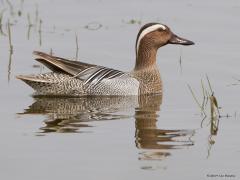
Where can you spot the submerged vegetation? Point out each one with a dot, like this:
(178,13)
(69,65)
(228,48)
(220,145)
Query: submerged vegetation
(93,26)
(133,21)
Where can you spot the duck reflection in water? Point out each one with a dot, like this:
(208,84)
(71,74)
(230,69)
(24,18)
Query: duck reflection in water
(66,114)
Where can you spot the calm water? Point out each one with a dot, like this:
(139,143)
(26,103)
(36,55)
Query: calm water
(148,137)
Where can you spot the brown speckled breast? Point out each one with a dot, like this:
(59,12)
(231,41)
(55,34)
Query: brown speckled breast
(150,80)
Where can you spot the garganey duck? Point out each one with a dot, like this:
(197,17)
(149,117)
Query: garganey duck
(74,78)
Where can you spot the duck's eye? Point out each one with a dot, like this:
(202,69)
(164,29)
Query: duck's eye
(160,29)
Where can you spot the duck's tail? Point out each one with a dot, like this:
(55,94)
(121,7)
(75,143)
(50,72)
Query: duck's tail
(35,81)
(56,84)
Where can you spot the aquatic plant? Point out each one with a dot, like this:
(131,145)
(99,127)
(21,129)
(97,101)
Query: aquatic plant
(40,32)
(208,100)
(1,20)
(77,47)
(9,37)
(208,97)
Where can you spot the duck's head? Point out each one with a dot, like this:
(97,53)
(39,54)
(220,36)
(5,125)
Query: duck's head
(155,35)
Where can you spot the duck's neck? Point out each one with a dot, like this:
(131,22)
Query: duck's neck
(145,57)
(146,70)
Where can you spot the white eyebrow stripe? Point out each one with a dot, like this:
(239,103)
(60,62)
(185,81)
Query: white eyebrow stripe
(148,30)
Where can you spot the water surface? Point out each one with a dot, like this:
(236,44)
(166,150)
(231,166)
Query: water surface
(147,137)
